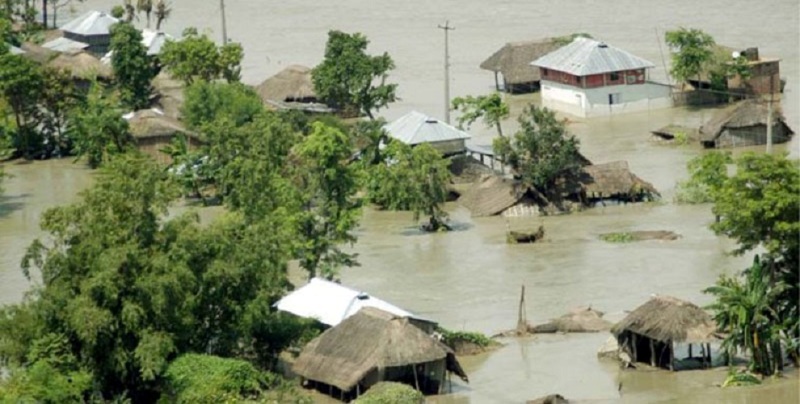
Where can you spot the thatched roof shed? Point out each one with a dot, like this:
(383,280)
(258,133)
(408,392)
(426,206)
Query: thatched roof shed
(82,65)
(292,84)
(362,349)
(169,94)
(649,333)
(150,123)
(744,124)
(37,53)
(492,195)
(613,180)
(578,320)
(666,318)
(513,62)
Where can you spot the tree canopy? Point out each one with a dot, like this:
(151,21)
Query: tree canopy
(197,57)
(542,151)
(691,49)
(491,108)
(133,69)
(207,102)
(351,81)
(98,130)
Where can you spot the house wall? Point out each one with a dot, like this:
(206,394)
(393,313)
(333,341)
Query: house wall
(592,102)
(450,147)
(765,78)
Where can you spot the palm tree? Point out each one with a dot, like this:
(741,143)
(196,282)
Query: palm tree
(162,13)
(745,311)
(147,7)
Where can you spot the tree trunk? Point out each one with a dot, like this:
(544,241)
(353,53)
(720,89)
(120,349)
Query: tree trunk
(44,13)
(499,129)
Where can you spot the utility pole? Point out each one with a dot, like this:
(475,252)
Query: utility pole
(446,27)
(224,25)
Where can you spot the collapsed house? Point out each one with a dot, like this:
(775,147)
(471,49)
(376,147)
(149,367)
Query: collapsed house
(371,346)
(744,124)
(651,333)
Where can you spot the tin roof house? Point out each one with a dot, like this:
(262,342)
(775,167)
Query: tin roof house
(415,128)
(591,78)
(92,29)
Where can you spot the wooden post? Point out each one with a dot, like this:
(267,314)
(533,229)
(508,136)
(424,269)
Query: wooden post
(690,351)
(496,82)
(522,316)
(652,353)
(671,356)
(633,339)
(708,350)
(358,390)
(416,380)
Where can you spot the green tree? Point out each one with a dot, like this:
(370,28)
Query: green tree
(98,130)
(21,85)
(197,57)
(542,151)
(351,81)
(328,184)
(414,179)
(129,291)
(189,168)
(491,108)
(391,393)
(746,312)
(707,175)
(691,50)
(207,102)
(133,69)
(370,137)
(59,97)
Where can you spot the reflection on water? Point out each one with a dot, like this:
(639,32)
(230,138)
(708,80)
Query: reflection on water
(470,279)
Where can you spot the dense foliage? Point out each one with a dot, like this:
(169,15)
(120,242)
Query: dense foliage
(98,130)
(206,102)
(391,393)
(197,57)
(542,151)
(411,178)
(691,50)
(351,81)
(491,108)
(133,69)
(707,174)
(21,84)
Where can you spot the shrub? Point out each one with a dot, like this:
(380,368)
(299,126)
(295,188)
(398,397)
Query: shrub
(391,393)
(194,378)
(451,337)
(622,237)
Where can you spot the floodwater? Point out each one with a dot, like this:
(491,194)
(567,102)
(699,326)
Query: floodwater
(470,279)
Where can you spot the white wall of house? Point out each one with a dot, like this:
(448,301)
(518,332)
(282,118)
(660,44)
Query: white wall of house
(590,102)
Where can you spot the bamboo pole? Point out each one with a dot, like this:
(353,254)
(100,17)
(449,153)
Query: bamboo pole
(416,380)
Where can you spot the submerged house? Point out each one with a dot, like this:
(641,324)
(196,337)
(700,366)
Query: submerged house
(371,346)
(513,63)
(154,131)
(651,333)
(591,78)
(416,128)
(291,88)
(744,124)
(614,180)
(92,28)
(331,303)
(764,73)
(83,67)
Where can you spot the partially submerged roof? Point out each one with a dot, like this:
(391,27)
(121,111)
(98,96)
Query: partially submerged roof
(290,84)
(585,56)
(491,196)
(90,24)
(612,179)
(743,114)
(330,303)
(81,65)
(63,44)
(669,319)
(369,340)
(149,123)
(415,128)
(513,60)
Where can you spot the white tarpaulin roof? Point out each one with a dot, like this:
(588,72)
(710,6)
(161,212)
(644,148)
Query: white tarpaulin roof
(330,303)
(415,128)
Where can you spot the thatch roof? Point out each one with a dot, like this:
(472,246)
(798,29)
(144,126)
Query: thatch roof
(169,94)
(668,319)
(36,53)
(491,196)
(613,179)
(82,65)
(289,85)
(579,320)
(743,114)
(514,59)
(369,340)
(149,123)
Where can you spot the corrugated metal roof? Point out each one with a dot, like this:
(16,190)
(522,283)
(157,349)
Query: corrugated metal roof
(63,44)
(585,56)
(152,40)
(91,23)
(415,128)
(330,303)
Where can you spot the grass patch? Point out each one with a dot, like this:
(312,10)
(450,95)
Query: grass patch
(451,337)
(622,237)
(741,378)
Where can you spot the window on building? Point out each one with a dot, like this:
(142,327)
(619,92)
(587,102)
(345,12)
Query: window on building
(544,72)
(615,98)
(613,76)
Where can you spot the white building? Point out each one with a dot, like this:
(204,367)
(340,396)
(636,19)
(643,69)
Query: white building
(590,78)
(415,128)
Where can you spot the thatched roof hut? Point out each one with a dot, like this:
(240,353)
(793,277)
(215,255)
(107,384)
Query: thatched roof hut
(578,320)
(82,65)
(650,332)
(744,124)
(513,62)
(492,195)
(372,346)
(614,180)
(292,84)
(153,131)
(169,94)
(37,53)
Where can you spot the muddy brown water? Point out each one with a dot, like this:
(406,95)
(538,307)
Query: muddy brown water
(470,279)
